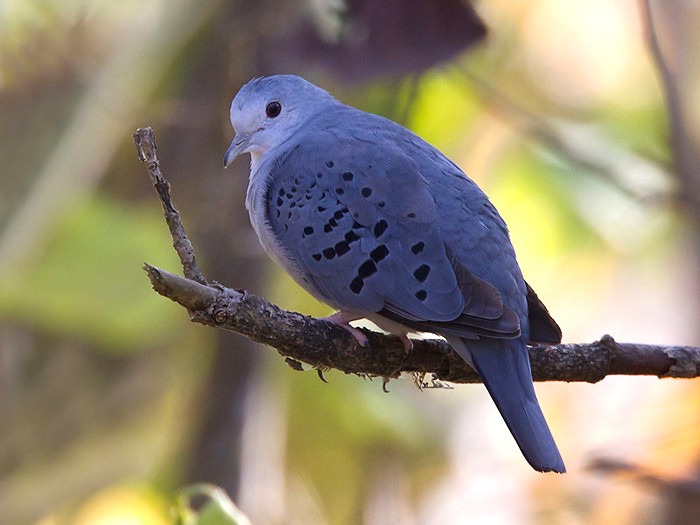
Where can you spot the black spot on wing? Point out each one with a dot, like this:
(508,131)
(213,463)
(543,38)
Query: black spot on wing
(356,285)
(418,247)
(379,253)
(341,248)
(421,273)
(380,227)
(366,269)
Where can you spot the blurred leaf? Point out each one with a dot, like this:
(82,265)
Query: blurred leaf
(89,282)
(114,505)
(357,40)
(535,202)
(443,110)
(338,433)
(218,510)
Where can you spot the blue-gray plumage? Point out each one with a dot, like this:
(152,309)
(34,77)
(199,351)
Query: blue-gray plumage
(377,223)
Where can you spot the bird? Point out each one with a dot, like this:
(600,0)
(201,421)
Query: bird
(378,224)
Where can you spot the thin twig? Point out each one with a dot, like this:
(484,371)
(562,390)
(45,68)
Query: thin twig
(684,151)
(146,147)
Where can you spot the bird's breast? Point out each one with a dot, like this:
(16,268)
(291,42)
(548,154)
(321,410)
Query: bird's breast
(256,203)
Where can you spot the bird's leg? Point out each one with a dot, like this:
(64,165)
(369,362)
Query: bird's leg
(342,318)
(407,343)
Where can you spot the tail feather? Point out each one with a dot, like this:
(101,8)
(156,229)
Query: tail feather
(504,367)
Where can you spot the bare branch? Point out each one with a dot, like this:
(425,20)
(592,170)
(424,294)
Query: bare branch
(685,158)
(300,338)
(145,140)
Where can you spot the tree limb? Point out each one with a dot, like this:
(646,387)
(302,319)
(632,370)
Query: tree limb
(300,338)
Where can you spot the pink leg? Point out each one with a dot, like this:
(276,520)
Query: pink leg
(407,343)
(342,318)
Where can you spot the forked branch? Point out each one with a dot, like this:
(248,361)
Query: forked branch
(303,339)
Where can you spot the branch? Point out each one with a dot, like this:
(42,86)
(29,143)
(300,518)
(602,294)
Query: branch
(145,140)
(300,338)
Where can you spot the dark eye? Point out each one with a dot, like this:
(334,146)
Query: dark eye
(273,109)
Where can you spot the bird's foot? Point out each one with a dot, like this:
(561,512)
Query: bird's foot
(342,318)
(407,343)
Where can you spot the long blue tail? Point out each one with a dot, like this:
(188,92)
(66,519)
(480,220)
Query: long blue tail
(504,367)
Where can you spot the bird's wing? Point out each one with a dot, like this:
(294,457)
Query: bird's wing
(543,328)
(359,222)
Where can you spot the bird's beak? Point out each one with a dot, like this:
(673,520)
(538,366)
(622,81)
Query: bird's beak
(238,146)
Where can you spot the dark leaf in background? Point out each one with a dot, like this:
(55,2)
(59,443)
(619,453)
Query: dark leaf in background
(363,39)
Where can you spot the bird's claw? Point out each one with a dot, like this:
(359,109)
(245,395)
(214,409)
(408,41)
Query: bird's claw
(342,319)
(407,343)
(385,381)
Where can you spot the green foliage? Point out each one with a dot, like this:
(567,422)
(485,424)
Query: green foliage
(443,110)
(218,510)
(340,434)
(87,282)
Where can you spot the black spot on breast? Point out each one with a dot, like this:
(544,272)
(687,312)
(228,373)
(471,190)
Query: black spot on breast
(339,191)
(308,230)
(381,204)
(421,295)
(321,209)
(367,268)
(366,192)
(338,215)
(333,222)
(411,215)
(422,272)
(329,163)
(329,253)
(418,247)
(327,228)
(357,284)
(341,248)
(379,253)
(281,192)
(279,201)
(380,227)
(351,236)
(316,256)
(356,225)
(347,176)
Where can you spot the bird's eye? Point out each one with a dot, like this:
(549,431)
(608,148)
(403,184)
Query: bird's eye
(273,109)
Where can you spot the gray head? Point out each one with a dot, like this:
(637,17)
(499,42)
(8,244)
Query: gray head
(267,111)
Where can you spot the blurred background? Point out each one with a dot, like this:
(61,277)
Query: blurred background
(579,119)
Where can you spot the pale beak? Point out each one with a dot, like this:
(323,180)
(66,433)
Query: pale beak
(238,146)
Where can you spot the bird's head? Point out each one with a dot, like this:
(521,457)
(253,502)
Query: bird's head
(267,111)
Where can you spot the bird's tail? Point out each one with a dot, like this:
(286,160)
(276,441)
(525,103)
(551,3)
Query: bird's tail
(504,367)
